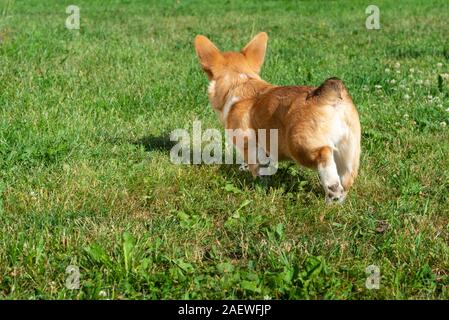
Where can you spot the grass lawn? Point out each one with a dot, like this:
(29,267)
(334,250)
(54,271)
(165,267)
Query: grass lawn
(86,177)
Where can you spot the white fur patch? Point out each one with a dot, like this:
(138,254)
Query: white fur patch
(330,181)
(339,130)
(328,174)
(227,107)
(211,87)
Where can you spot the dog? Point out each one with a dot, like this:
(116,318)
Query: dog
(318,127)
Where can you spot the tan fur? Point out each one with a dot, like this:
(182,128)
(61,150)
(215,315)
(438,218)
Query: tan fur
(318,126)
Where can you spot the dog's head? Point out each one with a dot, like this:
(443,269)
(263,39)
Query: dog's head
(228,69)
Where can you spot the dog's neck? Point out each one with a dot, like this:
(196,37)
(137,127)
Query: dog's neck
(225,93)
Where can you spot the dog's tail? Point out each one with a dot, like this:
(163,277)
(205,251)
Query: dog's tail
(332,91)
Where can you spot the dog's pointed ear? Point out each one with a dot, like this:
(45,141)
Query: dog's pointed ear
(208,54)
(255,50)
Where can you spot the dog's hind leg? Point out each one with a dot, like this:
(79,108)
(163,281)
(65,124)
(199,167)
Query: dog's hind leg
(329,177)
(347,157)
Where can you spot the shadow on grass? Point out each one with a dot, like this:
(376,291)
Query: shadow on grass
(156,143)
(161,143)
(282,179)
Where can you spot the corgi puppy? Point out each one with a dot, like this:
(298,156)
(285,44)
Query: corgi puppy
(318,127)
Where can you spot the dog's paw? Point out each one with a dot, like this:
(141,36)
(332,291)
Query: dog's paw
(335,193)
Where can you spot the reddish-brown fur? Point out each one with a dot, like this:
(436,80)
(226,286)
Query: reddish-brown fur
(307,118)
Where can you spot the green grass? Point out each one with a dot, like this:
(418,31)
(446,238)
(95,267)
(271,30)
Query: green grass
(86,178)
